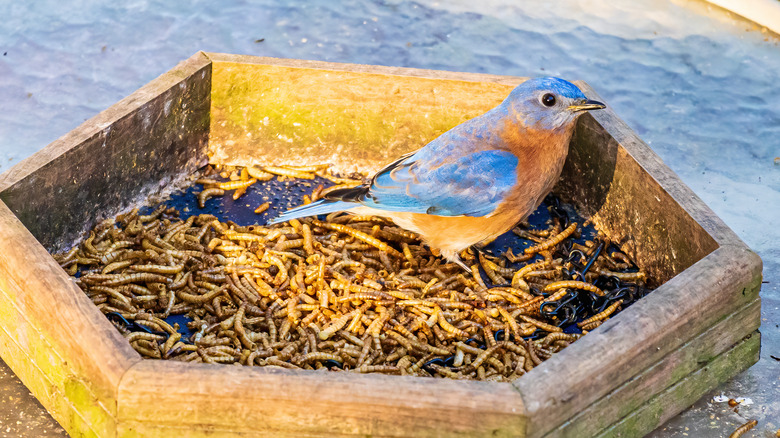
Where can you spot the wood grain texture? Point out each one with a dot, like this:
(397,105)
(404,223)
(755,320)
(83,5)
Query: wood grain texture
(54,338)
(616,179)
(683,394)
(116,159)
(159,398)
(676,366)
(364,68)
(352,116)
(639,336)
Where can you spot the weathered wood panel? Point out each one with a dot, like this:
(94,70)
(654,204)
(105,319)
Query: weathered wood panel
(116,159)
(160,398)
(664,177)
(54,338)
(680,396)
(641,205)
(639,337)
(676,366)
(353,116)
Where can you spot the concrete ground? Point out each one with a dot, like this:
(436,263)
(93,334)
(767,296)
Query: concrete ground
(20,413)
(697,83)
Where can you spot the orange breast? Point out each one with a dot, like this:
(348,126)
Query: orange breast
(541,155)
(458,233)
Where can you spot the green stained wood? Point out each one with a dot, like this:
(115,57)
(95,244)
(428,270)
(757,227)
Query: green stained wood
(673,368)
(633,202)
(47,375)
(282,114)
(683,394)
(158,398)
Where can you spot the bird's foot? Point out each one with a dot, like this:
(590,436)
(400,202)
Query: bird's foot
(452,256)
(460,263)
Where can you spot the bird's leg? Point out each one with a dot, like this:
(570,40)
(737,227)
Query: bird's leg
(460,263)
(452,256)
(479,248)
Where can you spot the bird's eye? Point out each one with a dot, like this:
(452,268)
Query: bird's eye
(548,99)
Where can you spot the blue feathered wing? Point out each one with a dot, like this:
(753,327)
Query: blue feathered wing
(467,185)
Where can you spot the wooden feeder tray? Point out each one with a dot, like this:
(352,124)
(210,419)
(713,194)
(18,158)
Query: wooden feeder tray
(697,329)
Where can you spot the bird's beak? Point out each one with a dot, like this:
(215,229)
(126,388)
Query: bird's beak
(585,105)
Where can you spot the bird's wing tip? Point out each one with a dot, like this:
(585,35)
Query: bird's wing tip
(314,209)
(284,217)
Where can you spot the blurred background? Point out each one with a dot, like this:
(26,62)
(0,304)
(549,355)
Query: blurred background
(696,82)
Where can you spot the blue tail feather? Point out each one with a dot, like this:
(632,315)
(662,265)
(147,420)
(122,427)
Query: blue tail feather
(323,206)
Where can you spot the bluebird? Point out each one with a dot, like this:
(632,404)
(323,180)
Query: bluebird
(477,180)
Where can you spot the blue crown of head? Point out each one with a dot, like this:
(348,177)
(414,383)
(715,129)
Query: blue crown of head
(556,85)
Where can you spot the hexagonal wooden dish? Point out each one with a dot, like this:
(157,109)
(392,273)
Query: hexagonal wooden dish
(698,328)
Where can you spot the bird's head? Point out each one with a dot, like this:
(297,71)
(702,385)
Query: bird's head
(549,103)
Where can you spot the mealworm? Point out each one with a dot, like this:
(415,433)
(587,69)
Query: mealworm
(491,270)
(116,266)
(552,337)
(335,326)
(603,314)
(259,174)
(288,172)
(570,284)
(382,246)
(208,193)
(141,277)
(624,276)
(319,294)
(741,430)
(234,185)
(242,237)
(446,326)
(238,326)
(158,269)
(542,325)
(555,240)
(591,326)
(205,298)
(477,277)
(317,356)
(389,369)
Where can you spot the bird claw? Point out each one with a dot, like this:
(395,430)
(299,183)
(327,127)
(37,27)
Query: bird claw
(453,257)
(460,263)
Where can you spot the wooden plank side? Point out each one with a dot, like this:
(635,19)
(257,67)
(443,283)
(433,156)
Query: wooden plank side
(157,398)
(150,429)
(44,376)
(682,395)
(668,179)
(639,201)
(355,117)
(118,158)
(671,369)
(54,338)
(630,201)
(364,68)
(639,336)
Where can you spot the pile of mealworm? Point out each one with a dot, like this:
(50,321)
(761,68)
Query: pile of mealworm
(345,292)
